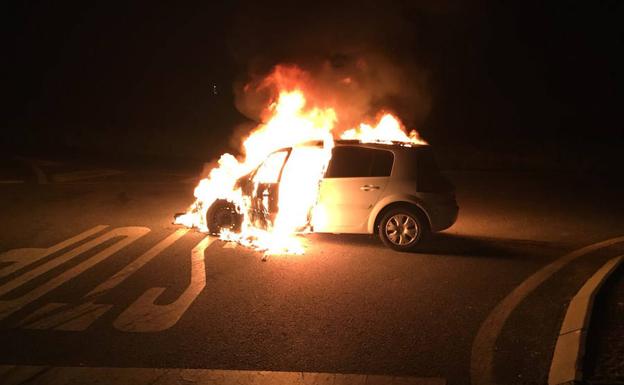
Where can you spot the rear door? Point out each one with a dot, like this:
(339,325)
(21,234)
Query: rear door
(353,183)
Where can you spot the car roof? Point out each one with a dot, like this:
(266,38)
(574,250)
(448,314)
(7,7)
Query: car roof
(387,145)
(380,145)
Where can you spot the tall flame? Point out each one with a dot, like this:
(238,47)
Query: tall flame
(387,130)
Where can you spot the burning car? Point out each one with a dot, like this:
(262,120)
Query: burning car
(313,166)
(394,189)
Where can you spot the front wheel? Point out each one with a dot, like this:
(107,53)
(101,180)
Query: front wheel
(402,228)
(222,215)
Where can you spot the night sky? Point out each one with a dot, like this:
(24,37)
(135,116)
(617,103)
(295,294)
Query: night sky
(159,78)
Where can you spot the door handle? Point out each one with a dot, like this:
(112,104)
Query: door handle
(369,187)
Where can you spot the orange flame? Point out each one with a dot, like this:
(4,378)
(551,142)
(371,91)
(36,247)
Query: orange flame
(387,130)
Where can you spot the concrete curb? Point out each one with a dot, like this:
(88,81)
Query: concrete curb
(484,344)
(32,374)
(567,362)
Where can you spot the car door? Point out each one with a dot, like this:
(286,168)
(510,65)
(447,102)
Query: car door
(355,178)
(265,189)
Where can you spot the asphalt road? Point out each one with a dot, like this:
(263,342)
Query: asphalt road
(106,280)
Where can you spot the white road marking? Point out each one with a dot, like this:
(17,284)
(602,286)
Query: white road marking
(8,307)
(482,354)
(56,316)
(23,257)
(31,374)
(136,264)
(567,361)
(64,316)
(145,316)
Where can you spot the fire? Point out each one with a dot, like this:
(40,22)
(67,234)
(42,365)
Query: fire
(387,130)
(288,122)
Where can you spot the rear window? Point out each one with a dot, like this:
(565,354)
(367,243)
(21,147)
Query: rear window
(357,162)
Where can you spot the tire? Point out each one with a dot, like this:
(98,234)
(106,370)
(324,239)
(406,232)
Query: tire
(403,228)
(223,215)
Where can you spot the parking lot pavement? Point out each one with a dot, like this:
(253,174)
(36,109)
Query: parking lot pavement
(103,279)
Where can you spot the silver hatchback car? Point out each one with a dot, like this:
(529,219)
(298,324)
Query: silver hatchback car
(394,190)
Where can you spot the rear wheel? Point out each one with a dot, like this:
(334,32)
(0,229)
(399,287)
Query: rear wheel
(223,215)
(402,228)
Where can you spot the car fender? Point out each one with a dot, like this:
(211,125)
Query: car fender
(390,199)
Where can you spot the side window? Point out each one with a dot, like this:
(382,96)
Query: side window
(349,162)
(358,162)
(269,171)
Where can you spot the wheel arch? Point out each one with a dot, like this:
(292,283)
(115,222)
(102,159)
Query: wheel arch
(383,209)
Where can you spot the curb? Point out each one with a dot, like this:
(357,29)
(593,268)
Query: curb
(33,374)
(567,362)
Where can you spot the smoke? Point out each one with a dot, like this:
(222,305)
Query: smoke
(357,58)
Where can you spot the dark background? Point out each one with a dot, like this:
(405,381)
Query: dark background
(526,85)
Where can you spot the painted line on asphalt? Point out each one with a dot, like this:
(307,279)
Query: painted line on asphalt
(72,317)
(135,265)
(20,258)
(8,307)
(567,362)
(31,374)
(143,315)
(61,316)
(482,354)
(130,232)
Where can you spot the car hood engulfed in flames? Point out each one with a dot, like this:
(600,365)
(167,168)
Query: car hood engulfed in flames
(288,122)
